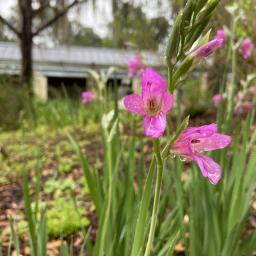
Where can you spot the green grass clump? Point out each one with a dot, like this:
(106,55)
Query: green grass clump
(64,219)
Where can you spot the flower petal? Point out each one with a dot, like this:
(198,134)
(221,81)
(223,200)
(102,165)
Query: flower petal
(208,167)
(216,141)
(182,148)
(199,132)
(153,85)
(88,96)
(216,100)
(133,103)
(246,47)
(154,126)
(134,65)
(167,102)
(210,47)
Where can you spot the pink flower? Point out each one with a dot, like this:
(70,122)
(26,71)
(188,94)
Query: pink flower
(213,45)
(134,65)
(243,108)
(216,100)
(154,103)
(195,140)
(210,47)
(246,48)
(88,96)
(239,96)
(253,90)
(222,35)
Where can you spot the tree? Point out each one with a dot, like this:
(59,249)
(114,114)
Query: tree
(131,24)
(28,30)
(84,36)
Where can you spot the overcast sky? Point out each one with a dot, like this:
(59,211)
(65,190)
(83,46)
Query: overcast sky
(99,18)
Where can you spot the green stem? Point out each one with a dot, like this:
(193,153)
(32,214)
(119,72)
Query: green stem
(106,220)
(231,90)
(156,197)
(170,84)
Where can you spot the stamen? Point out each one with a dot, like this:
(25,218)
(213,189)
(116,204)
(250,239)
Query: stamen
(152,107)
(195,141)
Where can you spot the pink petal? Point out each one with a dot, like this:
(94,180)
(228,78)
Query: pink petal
(216,99)
(88,96)
(182,148)
(167,102)
(216,141)
(135,64)
(154,126)
(153,85)
(221,34)
(253,90)
(199,132)
(133,103)
(210,47)
(243,108)
(208,167)
(246,47)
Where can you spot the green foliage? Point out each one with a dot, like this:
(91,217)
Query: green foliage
(63,218)
(58,186)
(131,24)
(84,36)
(11,104)
(24,148)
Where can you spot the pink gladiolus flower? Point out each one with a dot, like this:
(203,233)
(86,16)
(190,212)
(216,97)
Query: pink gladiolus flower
(253,90)
(239,96)
(243,108)
(210,47)
(153,103)
(134,65)
(216,100)
(195,140)
(246,48)
(88,97)
(222,35)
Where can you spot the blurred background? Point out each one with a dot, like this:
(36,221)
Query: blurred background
(57,42)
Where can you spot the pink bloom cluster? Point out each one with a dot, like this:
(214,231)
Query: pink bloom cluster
(253,90)
(213,45)
(216,100)
(242,105)
(135,65)
(195,140)
(88,96)
(243,108)
(246,48)
(221,34)
(153,103)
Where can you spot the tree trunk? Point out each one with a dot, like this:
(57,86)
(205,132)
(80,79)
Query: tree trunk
(26,40)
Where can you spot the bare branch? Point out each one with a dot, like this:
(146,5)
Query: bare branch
(10,26)
(57,16)
(40,9)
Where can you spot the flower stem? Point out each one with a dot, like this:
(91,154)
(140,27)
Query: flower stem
(232,88)
(156,197)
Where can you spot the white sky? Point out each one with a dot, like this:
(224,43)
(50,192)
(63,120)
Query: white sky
(98,19)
